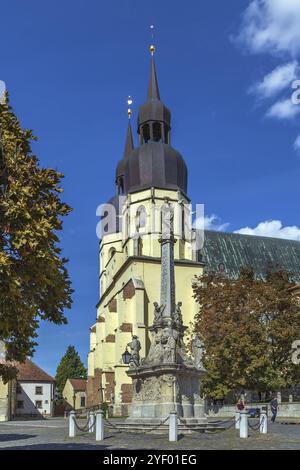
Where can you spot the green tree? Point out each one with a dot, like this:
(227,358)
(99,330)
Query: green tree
(70,367)
(34,282)
(248,327)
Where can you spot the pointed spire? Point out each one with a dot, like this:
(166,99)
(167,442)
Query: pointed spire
(129,142)
(153,90)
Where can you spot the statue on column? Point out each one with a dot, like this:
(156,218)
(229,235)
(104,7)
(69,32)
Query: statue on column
(178,315)
(198,351)
(167,212)
(157,312)
(169,340)
(135,347)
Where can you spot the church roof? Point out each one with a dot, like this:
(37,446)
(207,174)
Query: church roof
(234,251)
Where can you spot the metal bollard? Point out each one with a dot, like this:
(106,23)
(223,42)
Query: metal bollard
(99,426)
(91,422)
(173,427)
(72,428)
(237,420)
(244,424)
(263,420)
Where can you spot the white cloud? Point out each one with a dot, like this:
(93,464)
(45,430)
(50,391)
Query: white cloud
(271,26)
(211,222)
(283,109)
(272,228)
(297,145)
(277,80)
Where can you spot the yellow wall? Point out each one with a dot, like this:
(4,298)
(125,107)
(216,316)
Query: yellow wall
(7,400)
(68,395)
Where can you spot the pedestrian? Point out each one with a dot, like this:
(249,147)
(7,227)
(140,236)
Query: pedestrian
(240,405)
(274,408)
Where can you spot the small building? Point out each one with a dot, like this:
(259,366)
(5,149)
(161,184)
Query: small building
(7,391)
(74,393)
(7,399)
(35,391)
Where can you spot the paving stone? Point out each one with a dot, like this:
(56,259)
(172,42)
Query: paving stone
(53,434)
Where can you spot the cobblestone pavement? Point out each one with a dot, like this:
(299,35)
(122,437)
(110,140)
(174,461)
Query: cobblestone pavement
(53,434)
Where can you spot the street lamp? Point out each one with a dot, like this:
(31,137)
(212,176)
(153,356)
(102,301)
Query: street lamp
(100,389)
(126,356)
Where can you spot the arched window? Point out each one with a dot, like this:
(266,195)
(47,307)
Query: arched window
(146,133)
(157,137)
(183,222)
(126,227)
(120,185)
(140,218)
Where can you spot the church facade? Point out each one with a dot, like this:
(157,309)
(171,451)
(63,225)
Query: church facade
(130,253)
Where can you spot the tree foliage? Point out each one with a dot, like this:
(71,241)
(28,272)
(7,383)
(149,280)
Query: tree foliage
(248,327)
(70,367)
(34,282)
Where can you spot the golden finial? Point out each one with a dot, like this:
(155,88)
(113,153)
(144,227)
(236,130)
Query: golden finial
(129,103)
(152,47)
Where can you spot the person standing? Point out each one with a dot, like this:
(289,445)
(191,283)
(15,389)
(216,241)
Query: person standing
(274,409)
(240,405)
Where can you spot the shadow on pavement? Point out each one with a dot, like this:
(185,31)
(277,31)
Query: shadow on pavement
(15,437)
(55,446)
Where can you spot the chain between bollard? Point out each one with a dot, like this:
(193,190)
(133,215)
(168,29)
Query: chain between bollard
(145,432)
(257,426)
(86,427)
(216,430)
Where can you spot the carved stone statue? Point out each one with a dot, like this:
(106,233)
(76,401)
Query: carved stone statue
(198,351)
(135,347)
(169,341)
(178,315)
(167,212)
(157,312)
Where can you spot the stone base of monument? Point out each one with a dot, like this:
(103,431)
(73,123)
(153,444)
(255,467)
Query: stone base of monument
(163,388)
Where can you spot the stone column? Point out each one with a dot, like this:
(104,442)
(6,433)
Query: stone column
(173,427)
(91,424)
(72,428)
(99,426)
(237,420)
(167,289)
(244,424)
(263,420)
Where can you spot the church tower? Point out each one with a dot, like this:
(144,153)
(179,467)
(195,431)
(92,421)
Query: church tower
(130,254)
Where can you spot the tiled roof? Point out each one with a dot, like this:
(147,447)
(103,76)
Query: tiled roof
(79,385)
(31,372)
(234,251)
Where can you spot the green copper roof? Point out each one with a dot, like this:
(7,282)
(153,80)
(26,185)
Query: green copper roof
(235,251)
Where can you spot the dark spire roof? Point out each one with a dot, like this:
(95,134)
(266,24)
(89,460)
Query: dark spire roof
(153,90)
(154,163)
(129,141)
(127,151)
(154,109)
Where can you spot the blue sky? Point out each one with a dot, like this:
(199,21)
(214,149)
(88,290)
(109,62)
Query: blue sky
(69,66)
